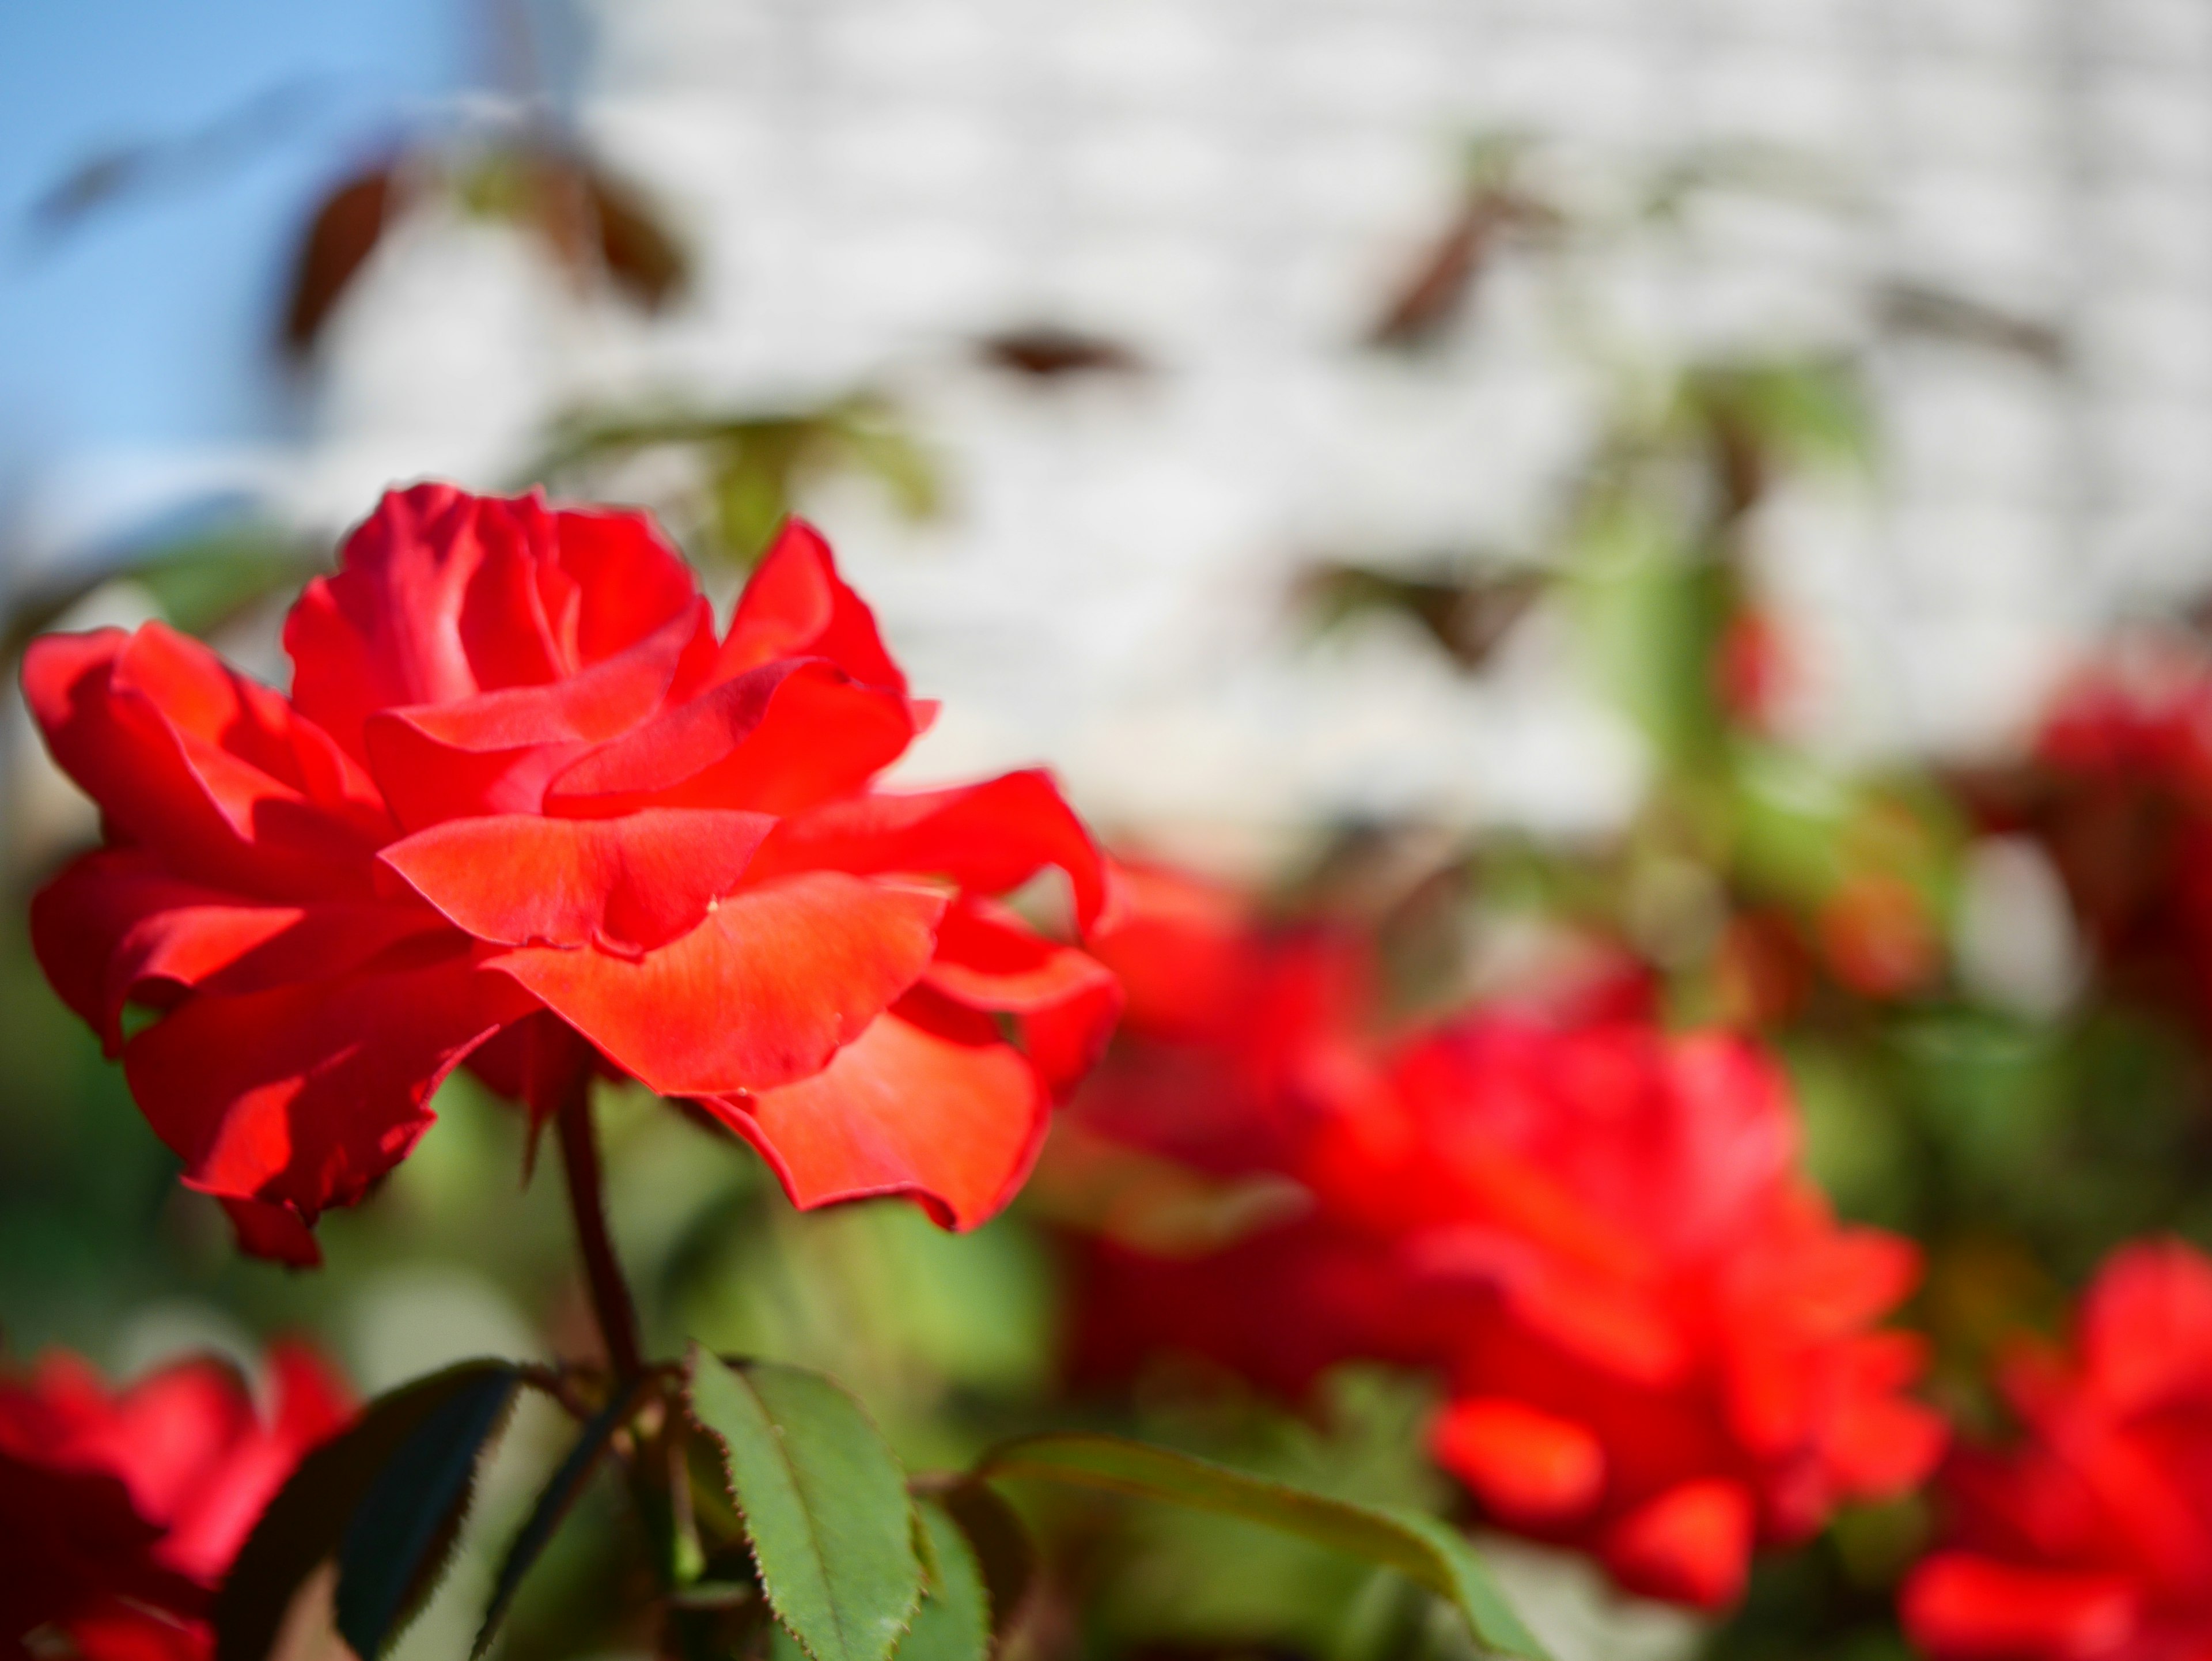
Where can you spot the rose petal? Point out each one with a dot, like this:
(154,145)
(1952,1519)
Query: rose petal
(114,928)
(274,1231)
(77,1545)
(1189,953)
(493,753)
(385,630)
(775,741)
(1065,1041)
(992,838)
(2147,1324)
(796,606)
(988,959)
(305,1094)
(1527,1465)
(219,715)
(627,885)
(216,815)
(629,580)
(1880,1445)
(442,595)
(927,1103)
(1961,1607)
(1692,1544)
(763,992)
(1063,1003)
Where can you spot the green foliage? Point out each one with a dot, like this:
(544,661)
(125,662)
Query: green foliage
(938,1334)
(385,1496)
(824,1502)
(999,1544)
(402,1532)
(954,1621)
(754,464)
(1419,1545)
(554,1502)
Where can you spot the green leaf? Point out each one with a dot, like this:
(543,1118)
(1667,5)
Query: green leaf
(1000,1541)
(1417,1545)
(304,1525)
(555,1500)
(954,1621)
(402,1531)
(824,1502)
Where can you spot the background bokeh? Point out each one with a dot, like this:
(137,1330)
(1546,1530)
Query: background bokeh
(1334,434)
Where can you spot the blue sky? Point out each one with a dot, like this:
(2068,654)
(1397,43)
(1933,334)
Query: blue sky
(148,325)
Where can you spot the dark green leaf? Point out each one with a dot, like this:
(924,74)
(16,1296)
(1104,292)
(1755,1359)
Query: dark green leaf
(403,1530)
(1417,1545)
(954,1621)
(304,1525)
(824,1502)
(553,1503)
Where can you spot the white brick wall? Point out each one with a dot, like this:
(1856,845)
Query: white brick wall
(1230,184)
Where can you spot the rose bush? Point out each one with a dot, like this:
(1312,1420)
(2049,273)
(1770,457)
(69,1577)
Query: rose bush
(2091,1538)
(1657,1344)
(122,1510)
(526,807)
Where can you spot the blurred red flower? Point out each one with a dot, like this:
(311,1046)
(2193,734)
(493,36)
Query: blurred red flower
(2091,1539)
(123,1511)
(1658,1346)
(2120,792)
(1754,669)
(522,788)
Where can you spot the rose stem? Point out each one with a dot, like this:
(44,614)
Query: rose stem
(610,1299)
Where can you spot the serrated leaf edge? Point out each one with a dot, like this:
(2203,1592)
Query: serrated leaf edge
(738,1368)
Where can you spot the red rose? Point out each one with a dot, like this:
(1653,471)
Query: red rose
(1648,1274)
(2091,1538)
(1658,1345)
(123,1511)
(522,788)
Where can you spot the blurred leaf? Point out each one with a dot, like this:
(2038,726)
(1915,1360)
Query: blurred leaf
(313,1516)
(756,463)
(1495,205)
(1046,351)
(1786,815)
(1004,1552)
(1421,1547)
(1811,412)
(595,224)
(554,1502)
(824,1502)
(954,1621)
(340,237)
(402,1532)
(1781,172)
(641,253)
(199,584)
(1467,614)
(1916,308)
(1431,297)
(1653,613)
(877,444)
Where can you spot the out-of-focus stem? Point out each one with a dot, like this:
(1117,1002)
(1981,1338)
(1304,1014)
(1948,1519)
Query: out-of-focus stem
(610,1298)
